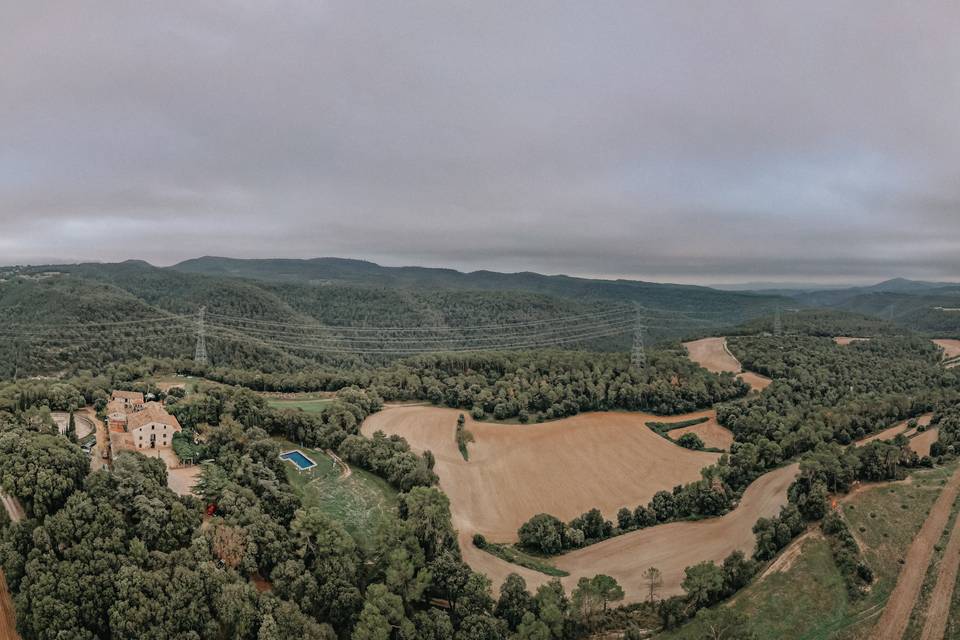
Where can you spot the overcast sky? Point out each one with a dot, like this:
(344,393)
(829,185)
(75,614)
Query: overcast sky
(673,141)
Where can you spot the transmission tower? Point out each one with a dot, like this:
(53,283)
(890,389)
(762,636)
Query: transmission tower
(777,323)
(200,353)
(638,356)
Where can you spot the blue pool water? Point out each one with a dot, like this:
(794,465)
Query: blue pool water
(296,457)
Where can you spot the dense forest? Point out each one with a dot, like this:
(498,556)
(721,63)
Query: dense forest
(63,319)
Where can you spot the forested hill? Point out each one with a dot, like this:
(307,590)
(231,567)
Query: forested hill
(54,319)
(932,308)
(732,306)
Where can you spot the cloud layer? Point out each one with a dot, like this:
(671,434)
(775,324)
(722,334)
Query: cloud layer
(695,141)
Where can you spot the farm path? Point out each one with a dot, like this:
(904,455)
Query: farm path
(8,617)
(713,355)
(935,625)
(891,433)
(893,621)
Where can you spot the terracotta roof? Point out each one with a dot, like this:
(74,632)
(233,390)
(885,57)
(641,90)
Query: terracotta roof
(152,412)
(116,405)
(132,396)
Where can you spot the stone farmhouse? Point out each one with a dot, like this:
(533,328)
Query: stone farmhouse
(136,425)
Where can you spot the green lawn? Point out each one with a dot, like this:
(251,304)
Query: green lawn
(359,502)
(310,405)
(809,601)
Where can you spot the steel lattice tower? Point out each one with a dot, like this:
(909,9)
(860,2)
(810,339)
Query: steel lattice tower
(200,353)
(638,356)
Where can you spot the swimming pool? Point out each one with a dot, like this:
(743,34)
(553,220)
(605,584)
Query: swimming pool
(297,458)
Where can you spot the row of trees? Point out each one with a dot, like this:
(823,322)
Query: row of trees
(547,534)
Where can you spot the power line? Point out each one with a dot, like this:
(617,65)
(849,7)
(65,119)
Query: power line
(335,337)
(411,350)
(369,329)
(200,351)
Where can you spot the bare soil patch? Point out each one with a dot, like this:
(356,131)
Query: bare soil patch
(8,615)
(896,615)
(951,348)
(845,340)
(713,355)
(921,442)
(82,422)
(711,432)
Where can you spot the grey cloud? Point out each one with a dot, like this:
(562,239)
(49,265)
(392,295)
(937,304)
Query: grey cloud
(690,141)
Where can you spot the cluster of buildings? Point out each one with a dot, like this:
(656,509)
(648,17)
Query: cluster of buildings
(137,425)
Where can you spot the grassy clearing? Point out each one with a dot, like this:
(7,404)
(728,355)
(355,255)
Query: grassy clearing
(513,555)
(359,502)
(309,405)
(809,600)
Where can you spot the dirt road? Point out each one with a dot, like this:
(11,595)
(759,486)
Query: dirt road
(935,625)
(8,615)
(891,433)
(893,621)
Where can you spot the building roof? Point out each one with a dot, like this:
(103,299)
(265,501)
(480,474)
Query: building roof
(115,406)
(130,396)
(152,412)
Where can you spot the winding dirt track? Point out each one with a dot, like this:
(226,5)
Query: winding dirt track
(712,354)
(604,460)
(896,614)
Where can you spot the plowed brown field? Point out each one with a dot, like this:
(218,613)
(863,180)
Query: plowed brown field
(605,460)
(712,354)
